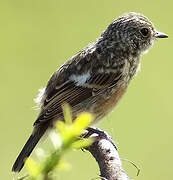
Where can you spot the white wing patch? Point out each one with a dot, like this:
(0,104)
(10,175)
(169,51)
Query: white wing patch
(81,79)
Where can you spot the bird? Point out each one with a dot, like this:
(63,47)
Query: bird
(95,79)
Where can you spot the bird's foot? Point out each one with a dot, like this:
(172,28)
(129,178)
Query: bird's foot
(98,134)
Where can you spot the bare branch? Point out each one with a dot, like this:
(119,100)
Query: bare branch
(105,152)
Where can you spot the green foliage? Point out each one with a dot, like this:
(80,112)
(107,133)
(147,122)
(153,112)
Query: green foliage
(65,139)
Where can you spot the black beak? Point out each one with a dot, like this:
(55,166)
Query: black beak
(160,35)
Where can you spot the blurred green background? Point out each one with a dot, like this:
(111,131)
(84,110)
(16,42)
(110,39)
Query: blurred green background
(37,36)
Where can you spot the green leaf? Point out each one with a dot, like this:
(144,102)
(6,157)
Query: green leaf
(33,168)
(69,133)
(67,139)
(67,113)
(82,122)
(83,143)
(51,162)
(62,165)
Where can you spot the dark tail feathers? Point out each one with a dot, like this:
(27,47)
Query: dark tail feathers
(27,149)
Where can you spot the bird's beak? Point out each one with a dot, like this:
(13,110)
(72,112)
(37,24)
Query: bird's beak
(160,35)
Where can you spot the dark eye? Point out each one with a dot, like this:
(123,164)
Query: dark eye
(144,32)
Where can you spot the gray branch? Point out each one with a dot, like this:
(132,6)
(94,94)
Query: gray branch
(105,152)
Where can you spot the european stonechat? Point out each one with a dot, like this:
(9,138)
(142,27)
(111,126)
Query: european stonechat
(94,79)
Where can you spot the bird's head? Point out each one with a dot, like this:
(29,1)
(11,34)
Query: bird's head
(132,31)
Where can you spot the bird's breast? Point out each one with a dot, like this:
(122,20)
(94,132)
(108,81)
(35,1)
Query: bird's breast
(106,105)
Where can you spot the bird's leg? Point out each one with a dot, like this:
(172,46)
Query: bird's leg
(98,134)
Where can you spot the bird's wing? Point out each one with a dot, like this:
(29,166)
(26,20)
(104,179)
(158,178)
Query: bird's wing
(74,90)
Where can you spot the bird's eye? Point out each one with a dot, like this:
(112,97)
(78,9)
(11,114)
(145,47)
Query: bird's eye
(144,32)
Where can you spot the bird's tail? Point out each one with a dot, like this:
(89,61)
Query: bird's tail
(28,148)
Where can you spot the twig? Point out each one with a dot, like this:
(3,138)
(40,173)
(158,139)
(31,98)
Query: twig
(105,152)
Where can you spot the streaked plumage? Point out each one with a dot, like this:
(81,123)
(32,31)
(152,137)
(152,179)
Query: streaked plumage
(96,78)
